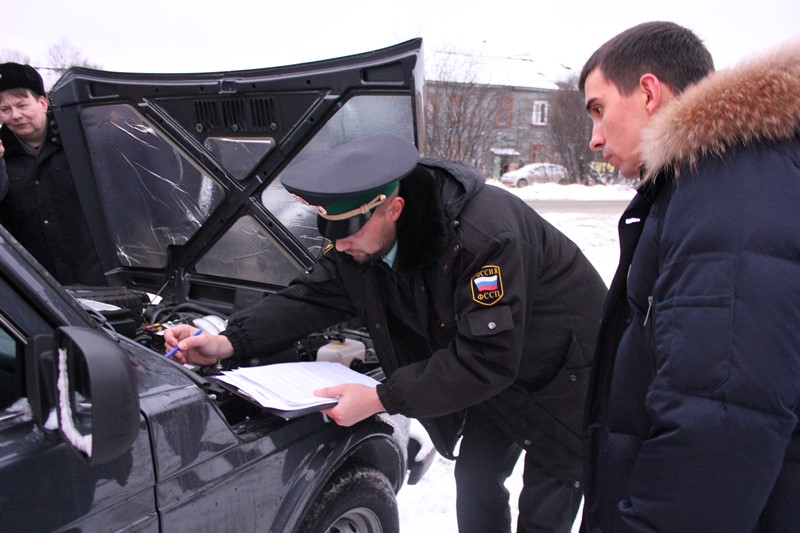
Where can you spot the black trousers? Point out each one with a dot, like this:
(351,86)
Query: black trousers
(486,458)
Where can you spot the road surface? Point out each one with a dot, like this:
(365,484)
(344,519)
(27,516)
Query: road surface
(599,207)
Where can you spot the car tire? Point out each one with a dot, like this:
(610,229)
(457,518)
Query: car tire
(357,500)
(522,183)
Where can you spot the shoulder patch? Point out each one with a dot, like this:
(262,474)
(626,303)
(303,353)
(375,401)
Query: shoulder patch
(487,285)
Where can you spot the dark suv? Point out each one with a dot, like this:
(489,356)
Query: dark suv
(178,179)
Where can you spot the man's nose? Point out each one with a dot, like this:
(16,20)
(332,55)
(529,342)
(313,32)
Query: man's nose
(597,141)
(341,245)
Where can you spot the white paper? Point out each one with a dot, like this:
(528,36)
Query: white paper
(291,386)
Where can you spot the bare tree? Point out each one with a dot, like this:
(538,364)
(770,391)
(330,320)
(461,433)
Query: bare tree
(63,55)
(15,56)
(459,112)
(570,130)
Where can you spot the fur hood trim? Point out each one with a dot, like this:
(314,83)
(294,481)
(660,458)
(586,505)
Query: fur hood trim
(755,101)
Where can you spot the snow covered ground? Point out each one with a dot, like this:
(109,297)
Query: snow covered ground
(430,505)
(595,233)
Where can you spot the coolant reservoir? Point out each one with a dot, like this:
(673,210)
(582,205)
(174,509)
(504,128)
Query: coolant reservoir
(342,351)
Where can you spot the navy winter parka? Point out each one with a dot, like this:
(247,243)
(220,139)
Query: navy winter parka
(695,400)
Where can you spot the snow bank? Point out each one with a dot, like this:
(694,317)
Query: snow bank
(554,191)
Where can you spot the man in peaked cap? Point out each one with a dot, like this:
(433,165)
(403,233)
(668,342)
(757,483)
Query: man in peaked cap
(41,207)
(483,315)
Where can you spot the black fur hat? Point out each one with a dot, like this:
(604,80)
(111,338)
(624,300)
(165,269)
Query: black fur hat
(16,76)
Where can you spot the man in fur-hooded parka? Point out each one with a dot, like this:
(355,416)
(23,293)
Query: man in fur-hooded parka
(694,403)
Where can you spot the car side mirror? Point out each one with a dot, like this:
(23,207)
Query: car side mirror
(96,396)
(39,385)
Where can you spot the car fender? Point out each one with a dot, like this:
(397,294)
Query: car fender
(377,441)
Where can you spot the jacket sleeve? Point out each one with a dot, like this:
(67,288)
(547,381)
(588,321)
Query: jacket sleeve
(483,358)
(3,179)
(723,321)
(314,300)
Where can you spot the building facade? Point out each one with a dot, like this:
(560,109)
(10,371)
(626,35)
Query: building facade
(497,127)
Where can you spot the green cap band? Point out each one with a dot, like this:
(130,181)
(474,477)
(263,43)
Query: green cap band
(349,204)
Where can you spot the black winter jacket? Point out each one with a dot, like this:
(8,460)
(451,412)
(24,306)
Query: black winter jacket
(41,209)
(3,179)
(500,312)
(694,405)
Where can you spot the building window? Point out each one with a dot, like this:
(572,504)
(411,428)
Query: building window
(539,117)
(505,108)
(538,153)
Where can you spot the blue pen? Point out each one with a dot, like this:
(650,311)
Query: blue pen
(175,349)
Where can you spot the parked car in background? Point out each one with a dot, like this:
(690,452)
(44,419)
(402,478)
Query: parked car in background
(178,177)
(535,173)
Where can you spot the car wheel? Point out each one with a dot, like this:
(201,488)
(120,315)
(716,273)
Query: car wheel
(357,500)
(522,183)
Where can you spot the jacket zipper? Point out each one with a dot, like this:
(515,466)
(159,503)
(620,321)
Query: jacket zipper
(649,307)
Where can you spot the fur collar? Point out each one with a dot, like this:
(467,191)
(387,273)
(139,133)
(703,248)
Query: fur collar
(756,101)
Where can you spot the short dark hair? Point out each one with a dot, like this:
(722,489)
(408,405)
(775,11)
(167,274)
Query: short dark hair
(671,52)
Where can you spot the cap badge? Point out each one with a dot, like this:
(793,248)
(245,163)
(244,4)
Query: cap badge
(300,199)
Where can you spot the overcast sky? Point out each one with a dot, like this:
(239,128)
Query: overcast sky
(545,43)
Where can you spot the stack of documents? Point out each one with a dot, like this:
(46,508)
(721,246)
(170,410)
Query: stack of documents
(287,389)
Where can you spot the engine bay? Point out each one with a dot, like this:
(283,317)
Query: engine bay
(144,318)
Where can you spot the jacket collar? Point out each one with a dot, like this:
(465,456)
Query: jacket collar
(756,101)
(422,227)
(435,192)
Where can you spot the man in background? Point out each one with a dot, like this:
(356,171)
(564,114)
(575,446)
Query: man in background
(692,421)
(41,207)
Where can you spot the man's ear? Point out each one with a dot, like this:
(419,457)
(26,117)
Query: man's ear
(396,205)
(655,92)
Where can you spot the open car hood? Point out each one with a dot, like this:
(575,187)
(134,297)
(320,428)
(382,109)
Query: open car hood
(178,174)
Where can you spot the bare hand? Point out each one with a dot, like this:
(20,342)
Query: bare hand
(356,402)
(2,149)
(204,349)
